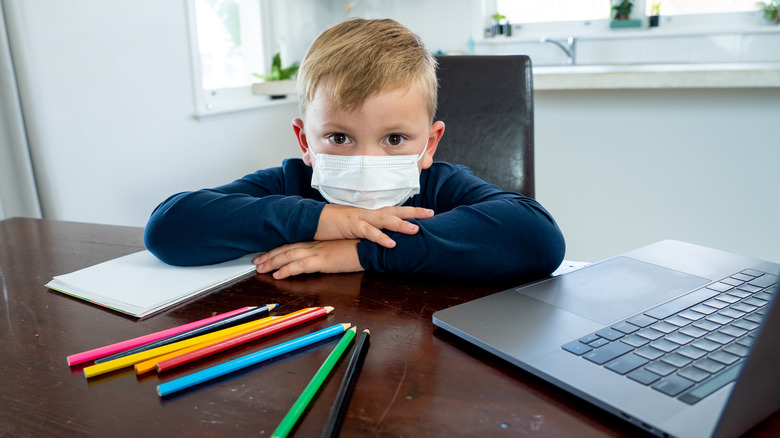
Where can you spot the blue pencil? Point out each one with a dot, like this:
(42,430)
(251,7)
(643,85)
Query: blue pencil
(248,360)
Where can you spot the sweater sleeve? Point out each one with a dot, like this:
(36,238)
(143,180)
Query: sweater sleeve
(478,232)
(259,212)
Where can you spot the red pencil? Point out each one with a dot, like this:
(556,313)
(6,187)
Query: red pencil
(241,339)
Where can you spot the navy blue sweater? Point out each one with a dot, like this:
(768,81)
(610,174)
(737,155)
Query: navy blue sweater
(477,232)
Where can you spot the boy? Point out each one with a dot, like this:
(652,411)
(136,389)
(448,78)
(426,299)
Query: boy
(366,194)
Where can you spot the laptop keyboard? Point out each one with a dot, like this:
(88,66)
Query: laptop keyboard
(688,347)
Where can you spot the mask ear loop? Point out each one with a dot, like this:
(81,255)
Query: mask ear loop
(419,157)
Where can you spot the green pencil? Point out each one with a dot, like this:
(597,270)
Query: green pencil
(314,385)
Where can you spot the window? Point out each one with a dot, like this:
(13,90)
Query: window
(228,42)
(534,11)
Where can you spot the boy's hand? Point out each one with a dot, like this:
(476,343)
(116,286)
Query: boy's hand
(307,257)
(345,222)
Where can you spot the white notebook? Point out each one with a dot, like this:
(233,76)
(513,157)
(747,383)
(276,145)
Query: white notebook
(140,284)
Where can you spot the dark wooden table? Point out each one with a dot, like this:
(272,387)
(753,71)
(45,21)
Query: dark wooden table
(417,380)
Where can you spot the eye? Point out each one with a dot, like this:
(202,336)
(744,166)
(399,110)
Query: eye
(339,138)
(395,139)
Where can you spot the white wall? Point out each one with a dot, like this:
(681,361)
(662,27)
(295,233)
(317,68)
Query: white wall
(620,169)
(107,97)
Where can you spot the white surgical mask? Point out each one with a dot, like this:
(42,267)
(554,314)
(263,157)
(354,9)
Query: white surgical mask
(365,181)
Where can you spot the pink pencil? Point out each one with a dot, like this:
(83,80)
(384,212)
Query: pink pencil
(75,359)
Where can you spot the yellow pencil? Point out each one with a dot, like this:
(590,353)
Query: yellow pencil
(126,361)
(151,364)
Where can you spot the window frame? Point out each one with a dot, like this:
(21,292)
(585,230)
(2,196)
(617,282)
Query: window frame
(214,102)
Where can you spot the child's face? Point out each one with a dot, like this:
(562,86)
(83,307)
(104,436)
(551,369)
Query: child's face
(393,122)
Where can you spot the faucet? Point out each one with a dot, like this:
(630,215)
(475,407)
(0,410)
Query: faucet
(568,47)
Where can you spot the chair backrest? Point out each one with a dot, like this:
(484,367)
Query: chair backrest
(486,104)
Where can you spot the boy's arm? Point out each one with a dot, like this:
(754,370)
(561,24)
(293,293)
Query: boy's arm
(478,232)
(257,213)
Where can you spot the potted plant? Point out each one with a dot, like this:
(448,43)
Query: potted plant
(279,82)
(770,8)
(621,14)
(502,26)
(655,14)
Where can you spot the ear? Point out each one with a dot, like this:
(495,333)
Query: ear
(303,143)
(437,131)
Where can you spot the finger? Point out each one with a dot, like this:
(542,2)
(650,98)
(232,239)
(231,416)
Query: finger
(370,232)
(391,223)
(278,257)
(407,212)
(304,265)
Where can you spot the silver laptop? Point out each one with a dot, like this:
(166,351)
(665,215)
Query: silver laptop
(678,339)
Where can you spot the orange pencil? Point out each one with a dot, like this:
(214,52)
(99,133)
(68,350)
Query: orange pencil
(242,339)
(151,364)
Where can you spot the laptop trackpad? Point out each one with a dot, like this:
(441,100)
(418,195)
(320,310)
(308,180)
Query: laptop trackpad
(614,289)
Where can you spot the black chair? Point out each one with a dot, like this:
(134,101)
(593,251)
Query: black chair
(486,104)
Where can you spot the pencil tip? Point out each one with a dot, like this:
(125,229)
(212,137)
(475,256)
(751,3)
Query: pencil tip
(354,329)
(328,309)
(346,325)
(272,306)
(367,331)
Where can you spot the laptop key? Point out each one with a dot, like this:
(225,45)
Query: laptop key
(751,272)
(691,352)
(681,303)
(643,376)
(641,320)
(733,331)
(635,340)
(610,334)
(664,327)
(588,339)
(765,280)
(692,331)
(650,333)
(745,324)
(577,348)
(679,338)
(692,373)
(676,360)
(626,363)
(749,288)
(709,365)
(649,352)
(731,313)
(625,327)
(660,368)
(672,385)
(664,345)
(720,287)
(736,349)
(705,344)
(724,357)
(608,352)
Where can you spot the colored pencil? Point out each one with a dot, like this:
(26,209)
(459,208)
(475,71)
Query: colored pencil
(214,326)
(151,364)
(236,340)
(340,404)
(190,380)
(289,420)
(96,353)
(126,361)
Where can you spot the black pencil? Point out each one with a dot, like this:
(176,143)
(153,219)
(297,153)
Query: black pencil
(340,404)
(214,326)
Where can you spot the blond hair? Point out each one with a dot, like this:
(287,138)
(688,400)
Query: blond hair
(356,59)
